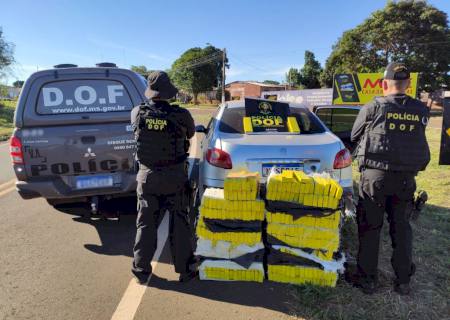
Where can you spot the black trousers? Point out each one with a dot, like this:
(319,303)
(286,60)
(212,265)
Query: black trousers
(151,206)
(392,193)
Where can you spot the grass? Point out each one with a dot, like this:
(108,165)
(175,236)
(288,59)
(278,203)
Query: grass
(201,105)
(431,284)
(6,118)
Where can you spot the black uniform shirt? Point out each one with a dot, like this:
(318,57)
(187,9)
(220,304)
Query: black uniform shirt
(366,114)
(182,115)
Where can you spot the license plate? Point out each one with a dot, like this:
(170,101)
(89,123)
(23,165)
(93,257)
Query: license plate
(94,182)
(280,167)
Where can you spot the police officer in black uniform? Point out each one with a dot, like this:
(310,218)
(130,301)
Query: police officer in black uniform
(162,132)
(392,149)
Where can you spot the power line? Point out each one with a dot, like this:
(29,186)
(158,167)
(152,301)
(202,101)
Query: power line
(201,61)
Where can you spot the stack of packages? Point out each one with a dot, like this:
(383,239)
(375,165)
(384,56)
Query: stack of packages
(229,231)
(303,222)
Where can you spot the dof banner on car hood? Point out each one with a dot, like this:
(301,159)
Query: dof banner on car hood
(361,88)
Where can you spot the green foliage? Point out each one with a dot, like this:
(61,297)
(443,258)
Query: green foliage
(198,70)
(413,32)
(310,73)
(142,70)
(308,76)
(294,78)
(18,83)
(6,53)
(3,91)
(7,109)
(271,82)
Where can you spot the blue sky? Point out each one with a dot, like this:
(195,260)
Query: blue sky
(263,38)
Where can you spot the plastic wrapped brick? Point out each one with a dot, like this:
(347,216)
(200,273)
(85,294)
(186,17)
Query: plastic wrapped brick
(241,186)
(215,206)
(317,190)
(225,270)
(331,221)
(235,238)
(299,236)
(301,275)
(279,254)
(224,249)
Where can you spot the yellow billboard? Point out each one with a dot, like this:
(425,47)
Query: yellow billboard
(361,88)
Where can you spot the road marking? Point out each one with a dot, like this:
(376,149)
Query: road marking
(7,187)
(2,193)
(132,297)
(134,293)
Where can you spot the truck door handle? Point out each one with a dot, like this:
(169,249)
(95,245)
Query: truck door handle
(88,140)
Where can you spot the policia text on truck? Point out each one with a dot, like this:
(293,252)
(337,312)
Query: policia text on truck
(392,149)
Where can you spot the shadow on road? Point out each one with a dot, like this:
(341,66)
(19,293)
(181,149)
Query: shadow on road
(267,295)
(116,236)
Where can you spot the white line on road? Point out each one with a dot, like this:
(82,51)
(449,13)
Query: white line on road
(7,187)
(2,193)
(132,297)
(7,184)
(134,293)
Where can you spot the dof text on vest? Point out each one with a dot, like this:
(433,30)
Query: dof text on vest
(395,139)
(160,142)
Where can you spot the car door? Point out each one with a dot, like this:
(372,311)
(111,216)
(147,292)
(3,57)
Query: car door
(340,120)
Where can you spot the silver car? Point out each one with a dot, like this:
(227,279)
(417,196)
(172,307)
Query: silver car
(226,147)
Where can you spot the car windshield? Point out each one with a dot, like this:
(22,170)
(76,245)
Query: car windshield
(231,121)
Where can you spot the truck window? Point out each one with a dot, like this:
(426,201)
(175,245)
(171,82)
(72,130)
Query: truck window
(83,96)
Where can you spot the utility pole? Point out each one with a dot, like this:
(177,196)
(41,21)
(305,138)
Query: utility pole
(224,56)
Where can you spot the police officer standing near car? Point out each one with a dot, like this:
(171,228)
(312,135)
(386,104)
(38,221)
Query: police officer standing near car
(162,132)
(392,149)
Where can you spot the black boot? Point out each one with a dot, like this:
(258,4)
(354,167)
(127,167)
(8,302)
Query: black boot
(402,289)
(188,276)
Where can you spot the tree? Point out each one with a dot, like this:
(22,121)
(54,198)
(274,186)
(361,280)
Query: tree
(18,84)
(271,82)
(6,54)
(409,31)
(198,70)
(310,73)
(294,78)
(142,70)
(3,91)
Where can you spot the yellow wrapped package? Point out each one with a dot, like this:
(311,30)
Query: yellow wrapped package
(299,236)
(226,270)
(241,186)
(215,206)
(331,221)
(235,238)
(301,275)
(317,191)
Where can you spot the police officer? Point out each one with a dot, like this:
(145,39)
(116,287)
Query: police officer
(392,148)
(162,132)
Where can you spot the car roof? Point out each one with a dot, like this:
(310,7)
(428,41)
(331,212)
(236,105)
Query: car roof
(74,70)
(346,106)
(241,103)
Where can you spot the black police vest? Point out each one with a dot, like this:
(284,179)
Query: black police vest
(160,140)
(395,139)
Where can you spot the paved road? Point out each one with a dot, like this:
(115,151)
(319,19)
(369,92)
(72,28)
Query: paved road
(56,265)
(6,171)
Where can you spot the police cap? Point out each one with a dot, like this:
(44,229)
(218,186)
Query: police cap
(396,71)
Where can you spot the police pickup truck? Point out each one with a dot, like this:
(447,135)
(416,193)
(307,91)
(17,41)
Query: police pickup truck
(73,140)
